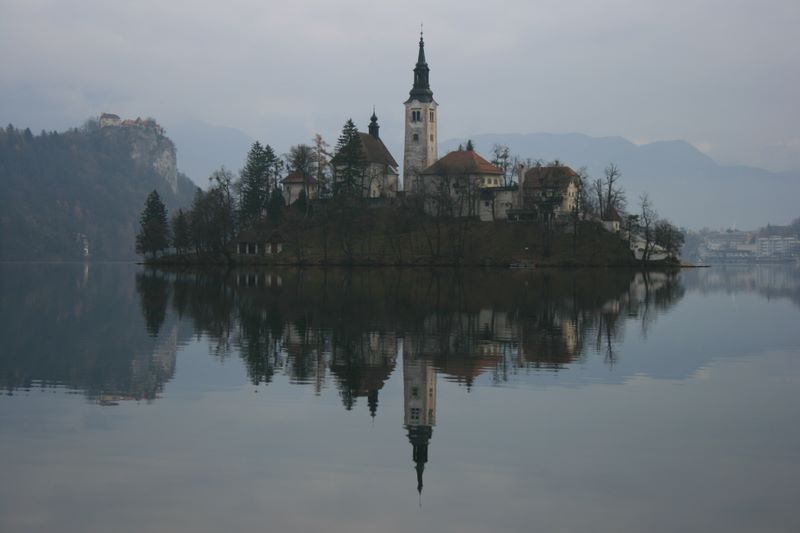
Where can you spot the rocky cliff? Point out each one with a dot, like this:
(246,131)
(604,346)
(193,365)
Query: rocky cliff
(150,147)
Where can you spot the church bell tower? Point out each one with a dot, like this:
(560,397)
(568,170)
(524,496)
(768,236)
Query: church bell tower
(421,117)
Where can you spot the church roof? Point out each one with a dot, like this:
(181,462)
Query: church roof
(461,162)
(375,151)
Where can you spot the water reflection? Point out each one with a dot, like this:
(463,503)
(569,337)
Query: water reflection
(355,324)
(467,386)
(114,333)
(350,327)
(65,326)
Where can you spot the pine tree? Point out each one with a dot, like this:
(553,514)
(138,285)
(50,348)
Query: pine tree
(276,206)
(254,183)
(181,238)
(153,234)
(349,161)
(274,167)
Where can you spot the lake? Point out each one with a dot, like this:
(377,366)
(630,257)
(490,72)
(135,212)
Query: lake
(399,400)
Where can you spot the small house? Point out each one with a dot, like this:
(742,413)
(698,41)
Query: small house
(256,242)
(457,184)
(294,184)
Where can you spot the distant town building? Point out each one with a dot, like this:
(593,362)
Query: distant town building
(777,247)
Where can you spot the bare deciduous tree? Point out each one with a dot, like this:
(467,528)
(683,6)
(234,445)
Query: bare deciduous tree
(647,220)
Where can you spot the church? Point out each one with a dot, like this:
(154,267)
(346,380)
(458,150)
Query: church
(462,183)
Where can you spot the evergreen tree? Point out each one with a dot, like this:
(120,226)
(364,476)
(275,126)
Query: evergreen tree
(153,234)
(470,147)
(276,205)
(274,166)
(181,238)
(349,161)
(302,204)
(254,185)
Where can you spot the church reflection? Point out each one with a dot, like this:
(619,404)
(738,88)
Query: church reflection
(419,406)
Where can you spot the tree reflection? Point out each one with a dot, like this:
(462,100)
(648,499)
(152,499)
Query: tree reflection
(345,327)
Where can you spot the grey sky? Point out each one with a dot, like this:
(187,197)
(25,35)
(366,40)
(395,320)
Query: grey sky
(722,74)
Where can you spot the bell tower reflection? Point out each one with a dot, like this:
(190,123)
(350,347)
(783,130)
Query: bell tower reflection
(419,394)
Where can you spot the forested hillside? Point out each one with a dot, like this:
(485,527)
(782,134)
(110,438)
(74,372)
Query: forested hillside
(78,194)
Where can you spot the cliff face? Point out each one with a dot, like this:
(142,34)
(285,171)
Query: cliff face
(149,147)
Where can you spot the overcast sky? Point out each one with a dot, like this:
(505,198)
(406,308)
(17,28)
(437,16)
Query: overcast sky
(721,74)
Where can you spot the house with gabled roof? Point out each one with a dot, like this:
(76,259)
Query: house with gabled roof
(459,183)
(546,193)
(296,184)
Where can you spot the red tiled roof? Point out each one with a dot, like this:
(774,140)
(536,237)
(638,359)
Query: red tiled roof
(549,176)
(461,162)
(296,177)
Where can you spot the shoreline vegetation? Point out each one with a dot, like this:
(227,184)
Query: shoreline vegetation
(399,237)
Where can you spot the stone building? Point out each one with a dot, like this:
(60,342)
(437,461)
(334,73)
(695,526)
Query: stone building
(420,147)
(457,183)
(546,193)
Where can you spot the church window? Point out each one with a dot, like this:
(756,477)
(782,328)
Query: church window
(431,116)
(415,413)
(416,115)
(431,136)
(415,392)
(416,136)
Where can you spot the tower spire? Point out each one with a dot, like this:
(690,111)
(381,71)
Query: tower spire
(421,90)
(373,124)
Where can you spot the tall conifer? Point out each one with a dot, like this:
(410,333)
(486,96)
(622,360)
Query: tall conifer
(153,234)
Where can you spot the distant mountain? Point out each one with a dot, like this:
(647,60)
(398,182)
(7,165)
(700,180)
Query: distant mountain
(79,194)
(686,185)
(203,148)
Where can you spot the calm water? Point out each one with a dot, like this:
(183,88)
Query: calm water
(399,401)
